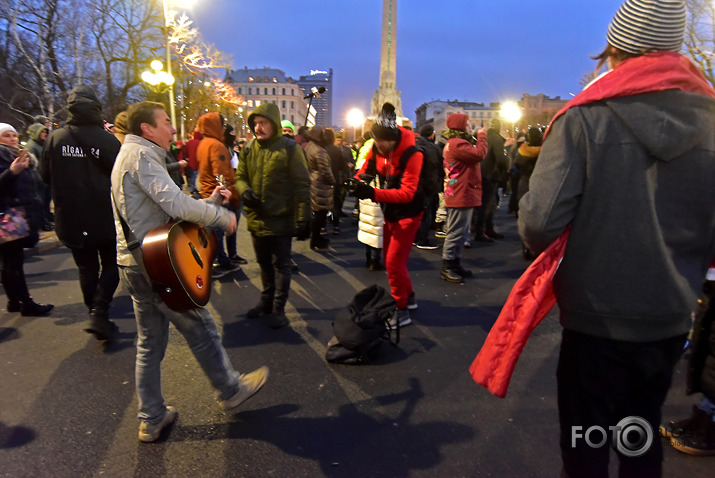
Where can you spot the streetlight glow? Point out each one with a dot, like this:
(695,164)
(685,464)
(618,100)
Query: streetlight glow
(511,112)
(355,119)
(156,65)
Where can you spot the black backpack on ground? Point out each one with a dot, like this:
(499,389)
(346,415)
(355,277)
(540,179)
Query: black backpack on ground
(361,327)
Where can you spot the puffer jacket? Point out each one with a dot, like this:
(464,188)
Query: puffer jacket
(275,169)
(77,163)
(370,222)
(18,190)
(214,158)
(640,198)
(321,174)
(463,179)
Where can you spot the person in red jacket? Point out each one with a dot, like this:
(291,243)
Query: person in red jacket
(190,157)
(462,191)
(397,163)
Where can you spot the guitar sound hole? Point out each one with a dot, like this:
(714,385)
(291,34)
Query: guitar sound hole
(203,238)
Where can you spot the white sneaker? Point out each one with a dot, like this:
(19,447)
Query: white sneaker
(412,302)
(248,385)
(150,433)
(400,318)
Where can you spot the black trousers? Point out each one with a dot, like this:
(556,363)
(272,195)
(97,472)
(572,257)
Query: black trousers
(11,270)
(602,382)
(98,274)
(273,255)
(485,212)
(430,210)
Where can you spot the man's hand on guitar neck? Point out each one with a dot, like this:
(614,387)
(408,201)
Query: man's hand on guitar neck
(221,195)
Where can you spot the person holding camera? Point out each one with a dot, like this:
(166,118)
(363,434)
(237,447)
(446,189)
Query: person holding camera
(273,181)
(397,163)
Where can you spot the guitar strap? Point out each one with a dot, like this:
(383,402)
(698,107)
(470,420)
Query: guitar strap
(132,243)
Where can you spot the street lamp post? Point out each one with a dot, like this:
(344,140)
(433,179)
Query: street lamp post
(172,110)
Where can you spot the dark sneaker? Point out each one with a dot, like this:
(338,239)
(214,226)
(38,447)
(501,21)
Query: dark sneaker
(483,238)
(149,433)
(102,329)
(30,308)
(426,245)
(277,320)
(440,234)
(694,435)
(219,271)
(401,318)
(238,260)
(248,385)
(494,235)
(412,302)
(259,311)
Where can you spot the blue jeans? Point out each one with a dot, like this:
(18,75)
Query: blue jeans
(198,328)
(457,225)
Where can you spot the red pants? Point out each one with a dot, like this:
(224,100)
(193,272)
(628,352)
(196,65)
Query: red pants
(397,242)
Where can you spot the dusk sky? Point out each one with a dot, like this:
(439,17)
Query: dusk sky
(466,50)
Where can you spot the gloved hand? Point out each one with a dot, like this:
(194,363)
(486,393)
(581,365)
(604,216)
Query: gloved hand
(364,191)
(302,232)
(250,199)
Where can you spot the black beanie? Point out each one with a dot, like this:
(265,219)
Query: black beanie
(385,125)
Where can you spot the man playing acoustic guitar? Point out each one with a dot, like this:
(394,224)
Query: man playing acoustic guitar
(145,197)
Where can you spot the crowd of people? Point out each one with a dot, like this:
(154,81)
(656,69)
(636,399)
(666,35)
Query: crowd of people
(636,201)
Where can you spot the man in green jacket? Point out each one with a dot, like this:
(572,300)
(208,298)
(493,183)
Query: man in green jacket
(273,181)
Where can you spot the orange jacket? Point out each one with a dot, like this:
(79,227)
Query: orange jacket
(214,158)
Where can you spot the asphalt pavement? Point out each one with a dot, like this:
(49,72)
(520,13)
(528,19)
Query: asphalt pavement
(68,405)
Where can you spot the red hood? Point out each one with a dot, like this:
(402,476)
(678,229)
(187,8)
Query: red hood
(458,121)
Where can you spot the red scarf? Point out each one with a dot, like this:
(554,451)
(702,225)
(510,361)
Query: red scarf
(659,71)
(532,297)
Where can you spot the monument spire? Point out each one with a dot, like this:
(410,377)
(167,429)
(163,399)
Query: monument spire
(387,91)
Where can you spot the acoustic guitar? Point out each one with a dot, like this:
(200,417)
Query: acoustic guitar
(178,257)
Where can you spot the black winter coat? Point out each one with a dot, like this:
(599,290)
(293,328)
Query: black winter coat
(18,190)
(77,163)
(432,175)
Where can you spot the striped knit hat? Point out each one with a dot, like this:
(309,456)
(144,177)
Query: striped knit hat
(648,25)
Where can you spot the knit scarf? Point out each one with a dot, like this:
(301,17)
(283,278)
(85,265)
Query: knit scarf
(455,133)
(658,71)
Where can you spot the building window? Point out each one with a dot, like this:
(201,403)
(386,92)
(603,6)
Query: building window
(284,91)
(258,79)
(292,119)
(239,90)
(258,102)
(275,80)
(292,105)
(283,116)
(274,91)
(250,79)
(249,90)
(283,105)
(291,92)
(250,103)
(265,91)
(266,79)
